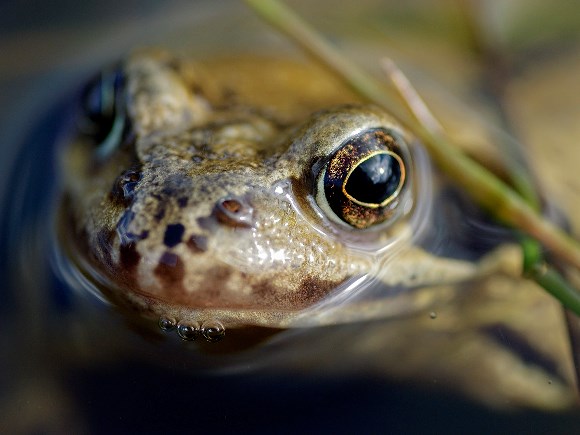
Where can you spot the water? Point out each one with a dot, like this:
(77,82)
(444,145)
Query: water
(71,363)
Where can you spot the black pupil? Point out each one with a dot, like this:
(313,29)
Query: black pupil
(375,179)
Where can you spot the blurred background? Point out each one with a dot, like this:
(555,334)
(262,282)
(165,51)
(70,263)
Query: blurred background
(514,62)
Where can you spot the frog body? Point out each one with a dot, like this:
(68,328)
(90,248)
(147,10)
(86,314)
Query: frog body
(206,206)
(218,195)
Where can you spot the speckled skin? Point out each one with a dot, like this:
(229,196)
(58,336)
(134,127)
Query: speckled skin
(222,221)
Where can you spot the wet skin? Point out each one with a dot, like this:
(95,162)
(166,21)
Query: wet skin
(247,192)
(255,191)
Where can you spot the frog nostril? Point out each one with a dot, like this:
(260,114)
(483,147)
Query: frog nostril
(232,205)
(125,185)
(234,212)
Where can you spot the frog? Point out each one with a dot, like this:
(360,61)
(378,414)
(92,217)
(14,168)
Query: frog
(255,191)
(229,209)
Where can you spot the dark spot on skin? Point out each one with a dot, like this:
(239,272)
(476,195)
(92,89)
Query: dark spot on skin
(310,291)
(173,235)
(161,206)
(229,97)
(264,290)
(203,189)
(196,89)
(197,243)
(129,256)
(219,278)
(168,191)
(169,259)
(182,201)
(174,64)
(174,186)
(170,270)
(160,213)
(206,222)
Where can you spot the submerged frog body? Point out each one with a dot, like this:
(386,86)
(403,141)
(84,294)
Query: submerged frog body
(196,204)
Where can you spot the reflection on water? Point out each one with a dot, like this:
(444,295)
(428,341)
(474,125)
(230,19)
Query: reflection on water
(71,363)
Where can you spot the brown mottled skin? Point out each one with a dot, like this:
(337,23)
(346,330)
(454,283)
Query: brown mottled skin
(212,206)
(225,218)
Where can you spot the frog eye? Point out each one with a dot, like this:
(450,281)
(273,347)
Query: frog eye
(362,181)
(103,111)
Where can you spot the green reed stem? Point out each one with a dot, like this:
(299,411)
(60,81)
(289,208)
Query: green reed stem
(534,265)
(499,199)
(546,276)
